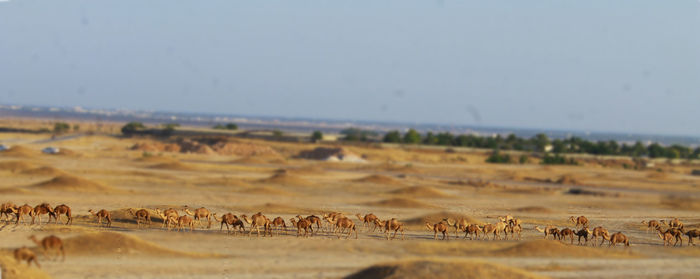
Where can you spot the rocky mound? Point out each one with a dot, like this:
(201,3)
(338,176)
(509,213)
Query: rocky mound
(72,183)
(16,166)
(421,191)
(334,154)
(420,269)
(400,202)
(378,179)
(111,243)
(12,270)
(438,216)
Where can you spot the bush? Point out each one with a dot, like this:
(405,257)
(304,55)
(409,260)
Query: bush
(392,137)
(229,126)
(558,160)
(61,127)
(132,127)
(524,159)
(316,136)
(498,158)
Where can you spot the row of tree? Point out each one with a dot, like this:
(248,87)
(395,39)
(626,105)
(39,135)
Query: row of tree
(542,143)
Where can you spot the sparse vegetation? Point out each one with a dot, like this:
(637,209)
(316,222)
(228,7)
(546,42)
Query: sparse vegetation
(316,136)
(61,127)
(558,160)
(132,127)
(229,126)
(498,158)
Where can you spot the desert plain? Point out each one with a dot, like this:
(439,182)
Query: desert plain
(412,184)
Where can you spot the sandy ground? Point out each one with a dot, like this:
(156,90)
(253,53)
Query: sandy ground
(114,178)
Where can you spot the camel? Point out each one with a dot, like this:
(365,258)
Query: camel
(170,212)
(666,236)
(61,210)
(651,225)
(496,229)
(514,228)
(256,221)
(183,222)
(199,214)
(585,233)
(367,219)
(579,221)
(230,220)
(440,227)
(314,220)
(549,230)
(141,214)
(393,225)
(302,224)
(602,232)
(50,242)
(566,232)
(24,254)
(472,229)
(691,234)
(505,219)
(674,223)
(346,223)
(332,216)
(279,224)
(102,214)
(21,211)
(378,224)
(460,225)
(39,210)
(6,210)
(618,237)
(676,233)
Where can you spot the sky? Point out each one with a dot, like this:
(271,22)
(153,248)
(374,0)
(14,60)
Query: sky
(630,66)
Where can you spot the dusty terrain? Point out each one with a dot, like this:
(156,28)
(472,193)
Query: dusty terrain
(414,186)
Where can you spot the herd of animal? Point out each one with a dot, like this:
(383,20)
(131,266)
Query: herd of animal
(335,223)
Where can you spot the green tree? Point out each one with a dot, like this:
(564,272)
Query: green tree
(412,137)
(430,138)
(445,138)
(277,134)
(498,158)
(76,127)
(231,126)
(61,127)
(316,136)
(540,141)
(392,137)
(132,127)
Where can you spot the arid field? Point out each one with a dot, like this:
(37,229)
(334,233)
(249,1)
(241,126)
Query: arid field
(413,185)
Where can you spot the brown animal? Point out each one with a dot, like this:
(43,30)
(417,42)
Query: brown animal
(6,209)
(585,233)
(199,214)
(256,221)
(183,222)
(102,214)
(166,215)
(61,210)
(367,219)
(651,225)
(666,236)
(579,221)
(39,210)
(21,211)
(618,237)
(496,229)
(566,232)
(600,232)
(302,224)
(691,234)
(378,224)
(459,225)
(505,219)
(50,242)
(231,221)
(514,228)
(440,227)
(332,216)
(549,230)
(141,214)
(24,254)
(393,225)
(675,223)
(472,229)
(345,223)
(314,220)
(676,233)
(279,224)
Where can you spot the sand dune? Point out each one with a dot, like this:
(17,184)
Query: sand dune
(552,248)
(19,151)
(284,178)
(434,268)
(173,166)
(13,270)
(72,183)
(111,243)
(378,179)
(266,191)
(16,166)
(48,171)
(534,209)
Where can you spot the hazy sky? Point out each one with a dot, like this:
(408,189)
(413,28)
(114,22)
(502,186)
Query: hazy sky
(596,65)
